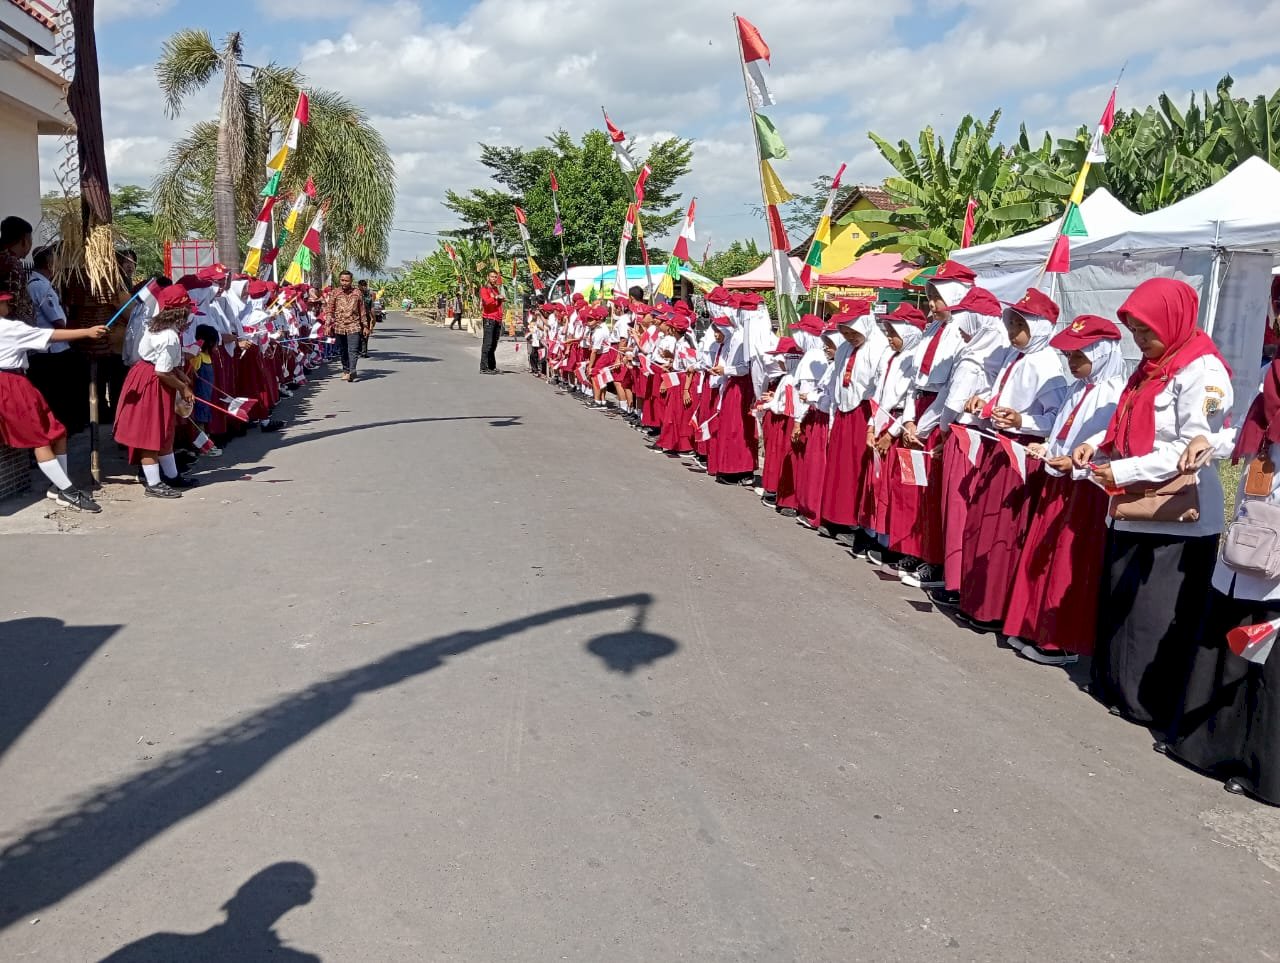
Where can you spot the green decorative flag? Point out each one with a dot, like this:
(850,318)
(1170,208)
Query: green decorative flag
(1073,222)
(673,268)
(303,258)
(771,145)
(273,186)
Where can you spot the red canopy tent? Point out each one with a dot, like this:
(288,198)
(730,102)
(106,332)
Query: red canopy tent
(874,270)
(761,278)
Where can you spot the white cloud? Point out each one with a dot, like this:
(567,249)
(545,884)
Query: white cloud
(106,11)
(510,71)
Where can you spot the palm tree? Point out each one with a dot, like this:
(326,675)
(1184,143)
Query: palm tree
(219,167)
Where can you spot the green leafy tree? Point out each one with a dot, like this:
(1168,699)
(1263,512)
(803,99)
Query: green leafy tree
(218,168)
(594,194)
(738,258)
(934,184)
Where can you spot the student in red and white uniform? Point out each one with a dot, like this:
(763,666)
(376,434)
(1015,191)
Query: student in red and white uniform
(26,422)
(1053,607)
(602,355)
(798,394)
(146,419)
(781,403)
(1022,405)
(890,385)
(734,433)
(915,518)
(813,432)
(677,434)
(847,444)
(980,317)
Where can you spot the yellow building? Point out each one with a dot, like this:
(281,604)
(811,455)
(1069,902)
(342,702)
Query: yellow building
(847,240)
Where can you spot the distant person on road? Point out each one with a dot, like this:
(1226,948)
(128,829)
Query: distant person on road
(455,307)
(491,303)
(366,332)
(345,314)
(442,305)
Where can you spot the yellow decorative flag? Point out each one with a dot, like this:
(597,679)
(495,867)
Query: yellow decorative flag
(667,287)
(253,261)
(294,274)
(277,162)
(774,192)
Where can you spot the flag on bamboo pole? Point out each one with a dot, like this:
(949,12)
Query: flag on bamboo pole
(619,139)
(687,234)
(771,145)
(301,113)
(272,187)
(628,227)
(822,233)
(640,183)
(277,160)
(1060,257)
(1097,149)
(774,192)
(307,250)
(522,225)
(970,222)
(754,50)
(558,230)
(295,211)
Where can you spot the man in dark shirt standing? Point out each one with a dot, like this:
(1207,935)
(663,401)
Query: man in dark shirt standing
(345,313)
(367,331)
(491,310)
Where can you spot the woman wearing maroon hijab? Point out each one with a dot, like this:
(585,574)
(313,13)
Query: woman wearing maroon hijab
(1156,578)
(1229,721)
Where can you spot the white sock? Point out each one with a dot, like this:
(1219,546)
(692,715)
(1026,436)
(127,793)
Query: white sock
(152,474)
(169,465)
(54,471)
(62,460)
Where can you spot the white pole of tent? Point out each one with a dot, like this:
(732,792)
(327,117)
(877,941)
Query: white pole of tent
(1215,281)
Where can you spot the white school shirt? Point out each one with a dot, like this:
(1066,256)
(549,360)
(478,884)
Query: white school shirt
(1196,401)
(49,313)
(1035,387)
(162,348)
(16,339)
(736,357)
(1090,408)
(894,382)
(950,345)
(600,339)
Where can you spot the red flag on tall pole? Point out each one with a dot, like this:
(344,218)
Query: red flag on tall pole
(969,222)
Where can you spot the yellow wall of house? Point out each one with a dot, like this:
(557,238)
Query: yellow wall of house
(847,240)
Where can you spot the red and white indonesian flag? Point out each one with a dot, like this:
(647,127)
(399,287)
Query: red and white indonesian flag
(1017,455)
(149,293)
(672,378)
(603,378)
(640,183)
(970,441)
(704,429)
(1098,149)
(646,366)
(754,52)
(300,116)
(240,408)
(915,467)
(522,224)
(204,443)
(881,420)
(687,234)
(1254,642)
(619,139)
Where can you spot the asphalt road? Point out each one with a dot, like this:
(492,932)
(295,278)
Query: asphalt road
(458,670)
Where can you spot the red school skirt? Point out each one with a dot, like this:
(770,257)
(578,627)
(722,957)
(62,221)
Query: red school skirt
(26,421)
(677,424)
(1054,601)
(145,419)
(811,464)
(733,444)
(846,451)
(957,492)
(995,530)
(915,512)
(777,443)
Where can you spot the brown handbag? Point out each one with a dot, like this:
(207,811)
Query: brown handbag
(1177,500)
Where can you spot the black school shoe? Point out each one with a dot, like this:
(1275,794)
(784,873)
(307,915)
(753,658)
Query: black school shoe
(181,482)
(77,501)
(944,599)
(925,576)
(162,490)
(274,425)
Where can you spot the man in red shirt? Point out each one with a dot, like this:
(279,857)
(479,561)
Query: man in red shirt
(491,310)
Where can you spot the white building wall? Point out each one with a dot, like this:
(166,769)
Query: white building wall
(19,165)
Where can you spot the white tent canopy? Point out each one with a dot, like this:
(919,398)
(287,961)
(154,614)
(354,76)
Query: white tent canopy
(1010,266)
(1222,241)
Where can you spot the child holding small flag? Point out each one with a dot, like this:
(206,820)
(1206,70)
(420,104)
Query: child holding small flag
(146,418)
(1054,602)
(1021,408)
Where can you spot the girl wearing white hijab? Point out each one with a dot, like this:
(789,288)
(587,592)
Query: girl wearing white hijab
(1022,406)
(796,389)
(1054,603)
(850,414)
(733,450)
(781,404)
(817,379)
(986,350)
(888,389)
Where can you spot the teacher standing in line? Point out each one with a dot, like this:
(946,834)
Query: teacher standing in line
(491,301)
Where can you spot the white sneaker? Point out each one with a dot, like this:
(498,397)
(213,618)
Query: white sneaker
(1051,657)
